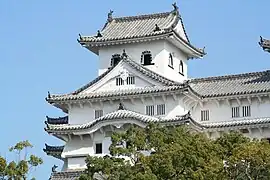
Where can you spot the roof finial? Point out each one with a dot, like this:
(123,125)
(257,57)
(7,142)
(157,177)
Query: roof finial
(156,28)
(121,107)
(175,7)
(110,18)
(98,34)
(124,54)
(261,39)
(54,168)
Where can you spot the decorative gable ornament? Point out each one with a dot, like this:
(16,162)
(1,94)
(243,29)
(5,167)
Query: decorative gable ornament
(123,73)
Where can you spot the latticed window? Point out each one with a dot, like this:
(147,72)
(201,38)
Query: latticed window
(205,115)
(150,110)
(160,109)
(146,58)
(98,113)
(235,112)
(130,80)
(170,60)
(246,111)
(119,81)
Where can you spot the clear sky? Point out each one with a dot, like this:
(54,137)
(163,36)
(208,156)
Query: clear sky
(39,52)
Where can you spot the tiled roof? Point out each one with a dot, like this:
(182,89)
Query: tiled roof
(265,44)
(136,27)
(122,115)
(234,123)
(54,151)
(247,83)
(66,175)
(116,93)
(59,120)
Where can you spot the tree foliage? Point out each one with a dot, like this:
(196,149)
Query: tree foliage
(173,153)
(19,168)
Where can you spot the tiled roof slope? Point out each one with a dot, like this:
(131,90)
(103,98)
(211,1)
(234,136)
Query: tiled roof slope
(66,175)
(139,26)
(120,114)
(235,123)
(59,120)
(265,44)
(247,83)
(116,93)
(54,151)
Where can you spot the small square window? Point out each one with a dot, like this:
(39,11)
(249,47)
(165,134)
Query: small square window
(98,113)
(98,148)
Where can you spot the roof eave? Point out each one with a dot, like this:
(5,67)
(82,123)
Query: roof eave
(93,46)
(185,46)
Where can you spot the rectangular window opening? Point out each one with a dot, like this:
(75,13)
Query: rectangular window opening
(130,80)
(161,109)
(205,115)
(98,148)
(235,112)
(119,81)
(98,113)
(150,110)
(246,111)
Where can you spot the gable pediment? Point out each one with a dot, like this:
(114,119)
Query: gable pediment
(127,74)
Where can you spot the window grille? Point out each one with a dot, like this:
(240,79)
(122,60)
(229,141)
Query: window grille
(161,109)
(98,113)
(150,110)
(205,115)
(235,112)
(119,81)
(130,80)
(246,111)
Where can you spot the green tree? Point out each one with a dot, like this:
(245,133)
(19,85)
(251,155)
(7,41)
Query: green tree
(24,163)
(173,153)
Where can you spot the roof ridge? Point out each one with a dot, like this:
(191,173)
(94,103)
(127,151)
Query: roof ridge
(225,77)
(143,16)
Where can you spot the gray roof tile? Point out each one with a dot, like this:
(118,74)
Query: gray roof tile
(54,151)
(119,114)
(66,175)
(235,123)
(265,44)
(135,27)
(247,83)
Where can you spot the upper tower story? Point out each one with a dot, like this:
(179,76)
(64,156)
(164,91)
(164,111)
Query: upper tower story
(157,41)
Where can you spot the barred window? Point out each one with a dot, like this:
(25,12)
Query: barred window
(161,109)
(235,112)
(119,81)
(205,115)
(98,113)
(246,111)
(131,80)
(150,110)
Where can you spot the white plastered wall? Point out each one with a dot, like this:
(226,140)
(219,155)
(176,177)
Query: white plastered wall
(224,111)
(78,115)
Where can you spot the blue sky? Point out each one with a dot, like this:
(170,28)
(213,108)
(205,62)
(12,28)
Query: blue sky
(39,52)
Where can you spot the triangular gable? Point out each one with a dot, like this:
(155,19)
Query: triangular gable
(143,78)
